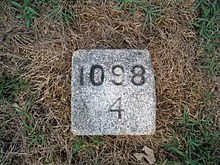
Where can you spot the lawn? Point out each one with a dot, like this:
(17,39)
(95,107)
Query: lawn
(37,39)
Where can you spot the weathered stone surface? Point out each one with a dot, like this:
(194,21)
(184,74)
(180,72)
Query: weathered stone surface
(113,92)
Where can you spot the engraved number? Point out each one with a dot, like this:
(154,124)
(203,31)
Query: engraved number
(118,70)
(81,76)
(97,75)
(116,107)
(94,75)
(138,75)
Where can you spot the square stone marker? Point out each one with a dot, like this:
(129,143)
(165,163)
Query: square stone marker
(113,92)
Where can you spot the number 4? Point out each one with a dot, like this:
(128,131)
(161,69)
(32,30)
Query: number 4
(116,107)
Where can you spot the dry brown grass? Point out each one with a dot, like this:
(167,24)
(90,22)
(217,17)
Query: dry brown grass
(179,83)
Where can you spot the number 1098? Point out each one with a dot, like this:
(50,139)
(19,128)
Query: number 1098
(97,75)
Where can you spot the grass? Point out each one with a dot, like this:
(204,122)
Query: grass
(29,124)
(19,132)
(207,25)
(25,10)
(17,122)
(83,143)
(151,12)
(11,85)
(28,10)
(196,141)
(38,131)
(79,144)
(88,146)
(61,12)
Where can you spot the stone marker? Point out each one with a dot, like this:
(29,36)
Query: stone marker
(113,92)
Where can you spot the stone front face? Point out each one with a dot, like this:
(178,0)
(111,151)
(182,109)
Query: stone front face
(113,92)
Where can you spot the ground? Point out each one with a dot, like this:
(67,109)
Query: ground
(37,40)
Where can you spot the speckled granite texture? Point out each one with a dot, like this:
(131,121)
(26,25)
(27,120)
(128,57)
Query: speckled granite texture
(113,92)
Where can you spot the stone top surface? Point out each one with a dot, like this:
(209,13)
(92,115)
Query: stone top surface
(113,92)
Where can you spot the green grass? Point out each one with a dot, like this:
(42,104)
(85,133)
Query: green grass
(61,12)
(11,85)
(151,12)
(88,144)
(208,96)
(79,144)
(195,140)
(207,25)
(25,10)
(57,10)
(29,124)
